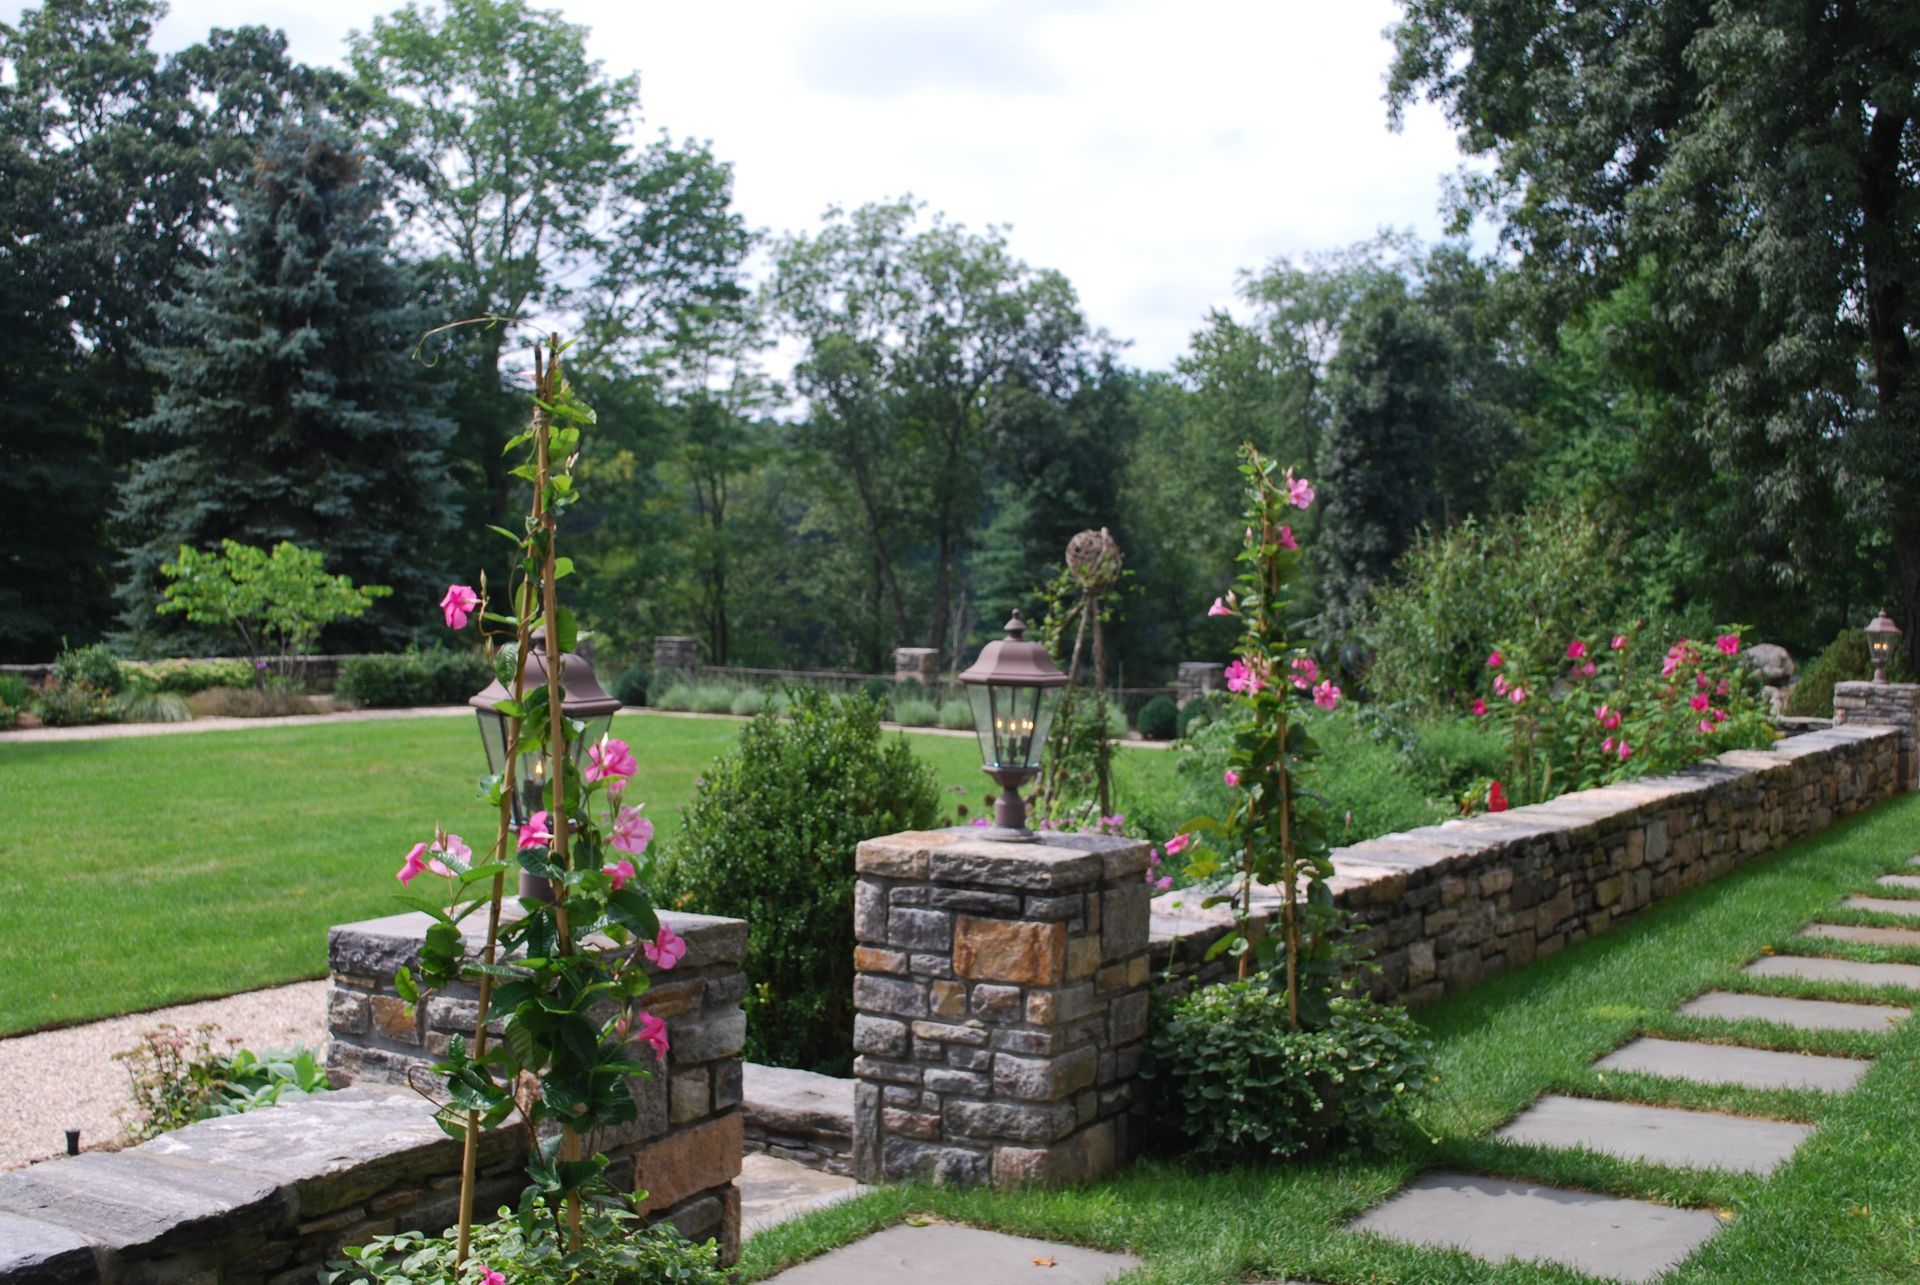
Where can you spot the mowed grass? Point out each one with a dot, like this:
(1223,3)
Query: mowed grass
(139,872)
(1845,1209)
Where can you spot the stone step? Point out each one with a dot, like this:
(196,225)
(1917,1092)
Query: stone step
(1899,881)
(1908,908)
(1807,1014)
(942,1254)
(1501,1220)
(1659,1135)
(1860,933)
(799,1116)
(1817,968)
(1735,1064)
(772,1191)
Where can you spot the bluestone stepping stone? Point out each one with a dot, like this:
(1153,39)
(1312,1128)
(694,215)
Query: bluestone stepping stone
(1898,881)
(1909,909)
(1818,969)
(1660,1135)
(1733,1064)
(1807,1014)
(1860,933)
(1501,1219)
(942,1254)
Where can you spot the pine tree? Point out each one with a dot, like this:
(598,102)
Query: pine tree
(290,406)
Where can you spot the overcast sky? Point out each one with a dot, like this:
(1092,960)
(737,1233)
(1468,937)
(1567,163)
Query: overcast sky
(1149,149)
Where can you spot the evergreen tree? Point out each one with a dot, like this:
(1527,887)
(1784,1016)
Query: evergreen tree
(289,405)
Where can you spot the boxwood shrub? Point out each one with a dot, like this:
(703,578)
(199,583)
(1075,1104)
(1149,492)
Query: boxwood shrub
(436,677)
(1159,719)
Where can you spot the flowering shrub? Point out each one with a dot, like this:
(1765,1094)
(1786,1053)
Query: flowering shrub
(177,1077)
(1601,714)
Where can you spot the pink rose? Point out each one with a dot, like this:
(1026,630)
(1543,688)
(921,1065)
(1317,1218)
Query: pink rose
(1518,695)
(1699,701)
(1624,750)
(1286,539)
(1178,844)
(413,866)
(1299,492)
(1619,641)
(458,605)
(620,871)
(1576,649)
(1232,778)
(535,833)
(1706,725)
(1493,661)
(1729,644)
(1479,705)
(1606,746)
(666,949)
(1719,715)
(610,760)
(1500,684)
(1326,695)
(1588,670)
(631,831)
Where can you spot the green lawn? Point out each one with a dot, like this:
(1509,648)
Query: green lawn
(146,871)
(1845,1209)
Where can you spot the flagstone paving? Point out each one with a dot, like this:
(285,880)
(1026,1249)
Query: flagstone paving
(1899,881)
(1820,969)
(1861,933)
(1807,1014)
(772,1190)
(1659,1135)
(943,1254)
(1501,1219)
(1735,1064)
(1904,907)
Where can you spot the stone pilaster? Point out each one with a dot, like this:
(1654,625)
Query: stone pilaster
(1001,997)
(674,653)
(921,664)
(1198,679)
(1884,705)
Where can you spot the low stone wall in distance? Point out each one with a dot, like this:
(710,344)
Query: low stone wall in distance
(1443,906)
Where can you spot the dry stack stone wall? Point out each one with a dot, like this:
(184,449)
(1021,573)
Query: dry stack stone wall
(1001,997)
(1895,705)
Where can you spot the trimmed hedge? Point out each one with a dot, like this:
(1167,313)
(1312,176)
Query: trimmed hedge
(436,677)
(1159,719)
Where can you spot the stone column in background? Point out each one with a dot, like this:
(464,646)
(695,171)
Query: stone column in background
(1885,705)
(673,653)
(922,664)
(1001,991)
(1197,679)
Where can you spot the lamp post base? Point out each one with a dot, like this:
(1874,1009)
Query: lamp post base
(1009,810)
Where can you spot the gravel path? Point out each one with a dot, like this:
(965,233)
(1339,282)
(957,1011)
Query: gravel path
(113,731)
(67,1079)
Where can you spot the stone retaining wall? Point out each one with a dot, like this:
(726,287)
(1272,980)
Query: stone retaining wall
(1443,906)
(1895,705)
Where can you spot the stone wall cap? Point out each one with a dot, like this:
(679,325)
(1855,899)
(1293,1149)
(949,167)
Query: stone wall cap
(783,1100)
(381,945)
(954,855)
(127,1201)
(1409,850)
(32,1250)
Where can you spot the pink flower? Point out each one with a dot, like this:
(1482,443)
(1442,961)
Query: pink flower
(1518,695)
(1719,715)
(1326,695)
(1729,644)
(631,831)
(980,821)
(666,949)
(620,871)
(1493,661)
(1624,750)
(1606,746)
(1619,642)
(1576,649)
(1219,608)
(490,1277)
(535,834)
(653,1032)
(1587,670)
(1163,883)
(1706,725)
(1299,492)
(1241,677)
(458,605)
(1720,688)
(1305,672)
(1496,797)
(1231,777)
(610,760)
(454,849)
(1500,684)
(1479,705)
(1178,844)
(413,866)
(1286,537)
(1699,701)
(1700,681)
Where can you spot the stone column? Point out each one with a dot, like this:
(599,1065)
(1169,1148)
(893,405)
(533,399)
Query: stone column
(1001,991)
(1885,705)
(922,664)
(672,652)
(1197,679)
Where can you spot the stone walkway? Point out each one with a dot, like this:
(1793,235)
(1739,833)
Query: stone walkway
(943,1254)
(1636,1240)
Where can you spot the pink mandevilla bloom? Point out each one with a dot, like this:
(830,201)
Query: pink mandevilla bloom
(535,833)
(458,605)
(490,1277)
(1231,777)
(1177,844)
(413,866)
(610,760)
(1299,492)
(666,949)
(1576,649)
(455,849)
(1306,672)
(1286,539)
(1241,678)
(631,831)
(653,1033)
(1729,644)
(1619,641)
(1219,608)
(1326,695)
(1479,705)
(620,871)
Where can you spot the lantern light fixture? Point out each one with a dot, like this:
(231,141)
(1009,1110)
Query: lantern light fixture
(1014,688)
(1882,634)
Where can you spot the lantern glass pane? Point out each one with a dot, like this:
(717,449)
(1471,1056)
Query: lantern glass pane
(980,696)
(532,790)
(1014,722)
(493,736)
(1882,647)
(1046,702)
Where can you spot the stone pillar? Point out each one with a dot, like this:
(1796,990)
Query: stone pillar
(685,1146)
(1001,991)
(671,652)
(1197,679)
(922,664)
(1885,705)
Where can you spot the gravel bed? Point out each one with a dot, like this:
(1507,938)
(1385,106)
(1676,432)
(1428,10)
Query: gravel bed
(53,1081)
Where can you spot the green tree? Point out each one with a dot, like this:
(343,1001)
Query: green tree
(295,412)
(275,602)
(1766,156)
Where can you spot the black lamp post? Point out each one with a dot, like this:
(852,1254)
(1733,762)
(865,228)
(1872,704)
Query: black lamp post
(582,699)
(1014,687)
(1881,636)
